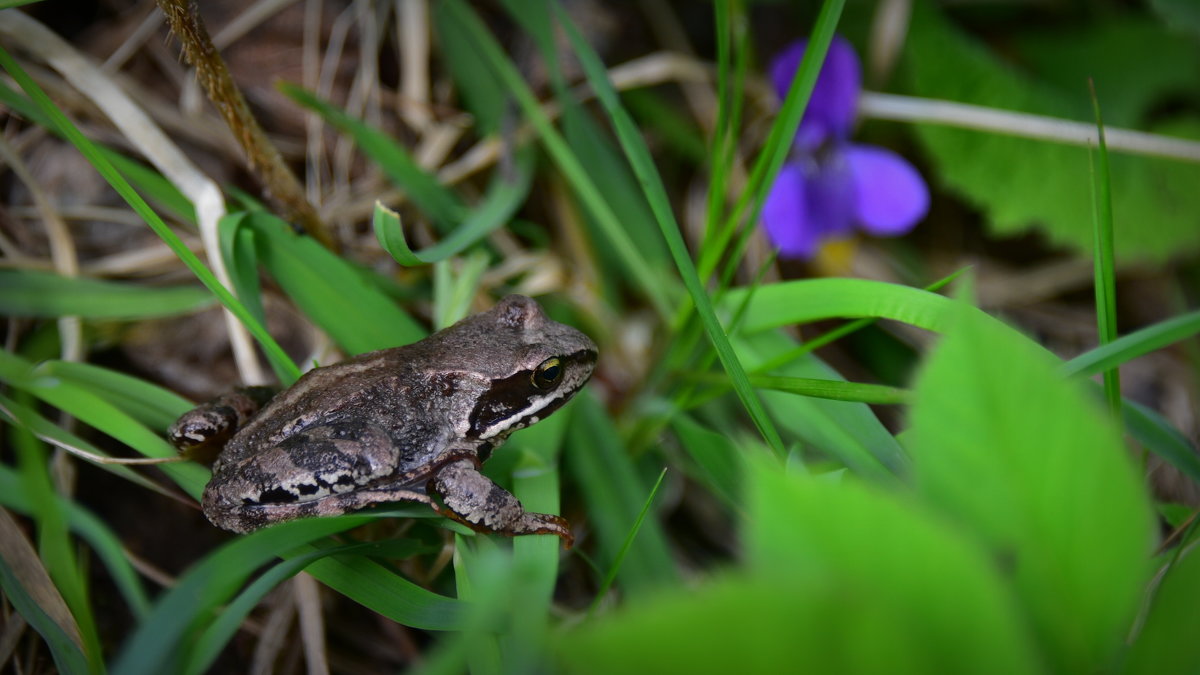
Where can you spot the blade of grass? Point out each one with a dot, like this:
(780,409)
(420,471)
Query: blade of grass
(424,189)
(101,414)
(147,403)
(92,530)
(779,139)
(209,644)
(611,575)
(1106,285)
(832,390)
(284,368)
(54,542)
(35,293)
(158,645)
(505,195)
(652,285)
(639,158)
(28,587)
(1140,342)
(331,291)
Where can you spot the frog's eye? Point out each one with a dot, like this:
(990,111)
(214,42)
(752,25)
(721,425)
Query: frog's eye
(548,373)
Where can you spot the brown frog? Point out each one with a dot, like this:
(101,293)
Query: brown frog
(410,423)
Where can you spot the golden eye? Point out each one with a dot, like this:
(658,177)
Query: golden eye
(548,373)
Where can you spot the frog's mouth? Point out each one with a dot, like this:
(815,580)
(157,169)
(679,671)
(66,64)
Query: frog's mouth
(515,403)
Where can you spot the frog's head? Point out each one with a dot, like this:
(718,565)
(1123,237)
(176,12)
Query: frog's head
(529,365)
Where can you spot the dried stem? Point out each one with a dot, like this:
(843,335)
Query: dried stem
(279,182)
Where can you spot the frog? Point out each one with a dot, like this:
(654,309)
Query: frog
(407,424)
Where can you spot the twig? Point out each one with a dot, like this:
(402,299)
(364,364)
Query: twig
(263,157)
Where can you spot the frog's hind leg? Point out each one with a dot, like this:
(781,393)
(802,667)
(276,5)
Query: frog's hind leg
(474,500)
(322,471)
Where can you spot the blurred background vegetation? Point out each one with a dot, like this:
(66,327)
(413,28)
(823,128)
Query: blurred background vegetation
(965,447)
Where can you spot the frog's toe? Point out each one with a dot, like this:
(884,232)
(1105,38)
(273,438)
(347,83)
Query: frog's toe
(473,499)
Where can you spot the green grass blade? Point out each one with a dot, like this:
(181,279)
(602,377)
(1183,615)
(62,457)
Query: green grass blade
(208,646)
(611,575)
(159,643)
(1140,342)
(239,249)
(505,195)
(91,529)
(332,292)
(279,360)
(652,285)
(639,158)
(101,414)
(18,564)
(779,139)
(50,432)
(424,189)
(35,293)
(145,402)
(55,547)
(612,490)
(1158,436)
(832,390)
(1105,282)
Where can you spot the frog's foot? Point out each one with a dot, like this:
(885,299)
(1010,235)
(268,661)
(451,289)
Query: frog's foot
(201,432)
(474,500)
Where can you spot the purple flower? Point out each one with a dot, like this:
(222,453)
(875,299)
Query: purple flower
(829,186)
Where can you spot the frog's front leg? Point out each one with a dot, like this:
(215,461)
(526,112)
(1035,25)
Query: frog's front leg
(474,500)
(202,432)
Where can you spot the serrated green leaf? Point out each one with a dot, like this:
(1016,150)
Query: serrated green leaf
(1022,184)
(1136,62)
(36,293)
(1024,459)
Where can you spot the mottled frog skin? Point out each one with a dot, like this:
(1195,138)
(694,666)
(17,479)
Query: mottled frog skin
(411,423)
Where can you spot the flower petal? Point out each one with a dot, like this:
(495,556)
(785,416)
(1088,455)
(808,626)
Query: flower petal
(785,214)
(891,196)
(834,102)
(831,195)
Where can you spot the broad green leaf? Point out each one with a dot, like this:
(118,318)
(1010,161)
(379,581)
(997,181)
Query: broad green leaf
(330,291)
(1022,184)
(1167,642)
(1024,459)
(1129,89)
(44,294)
(839,579)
